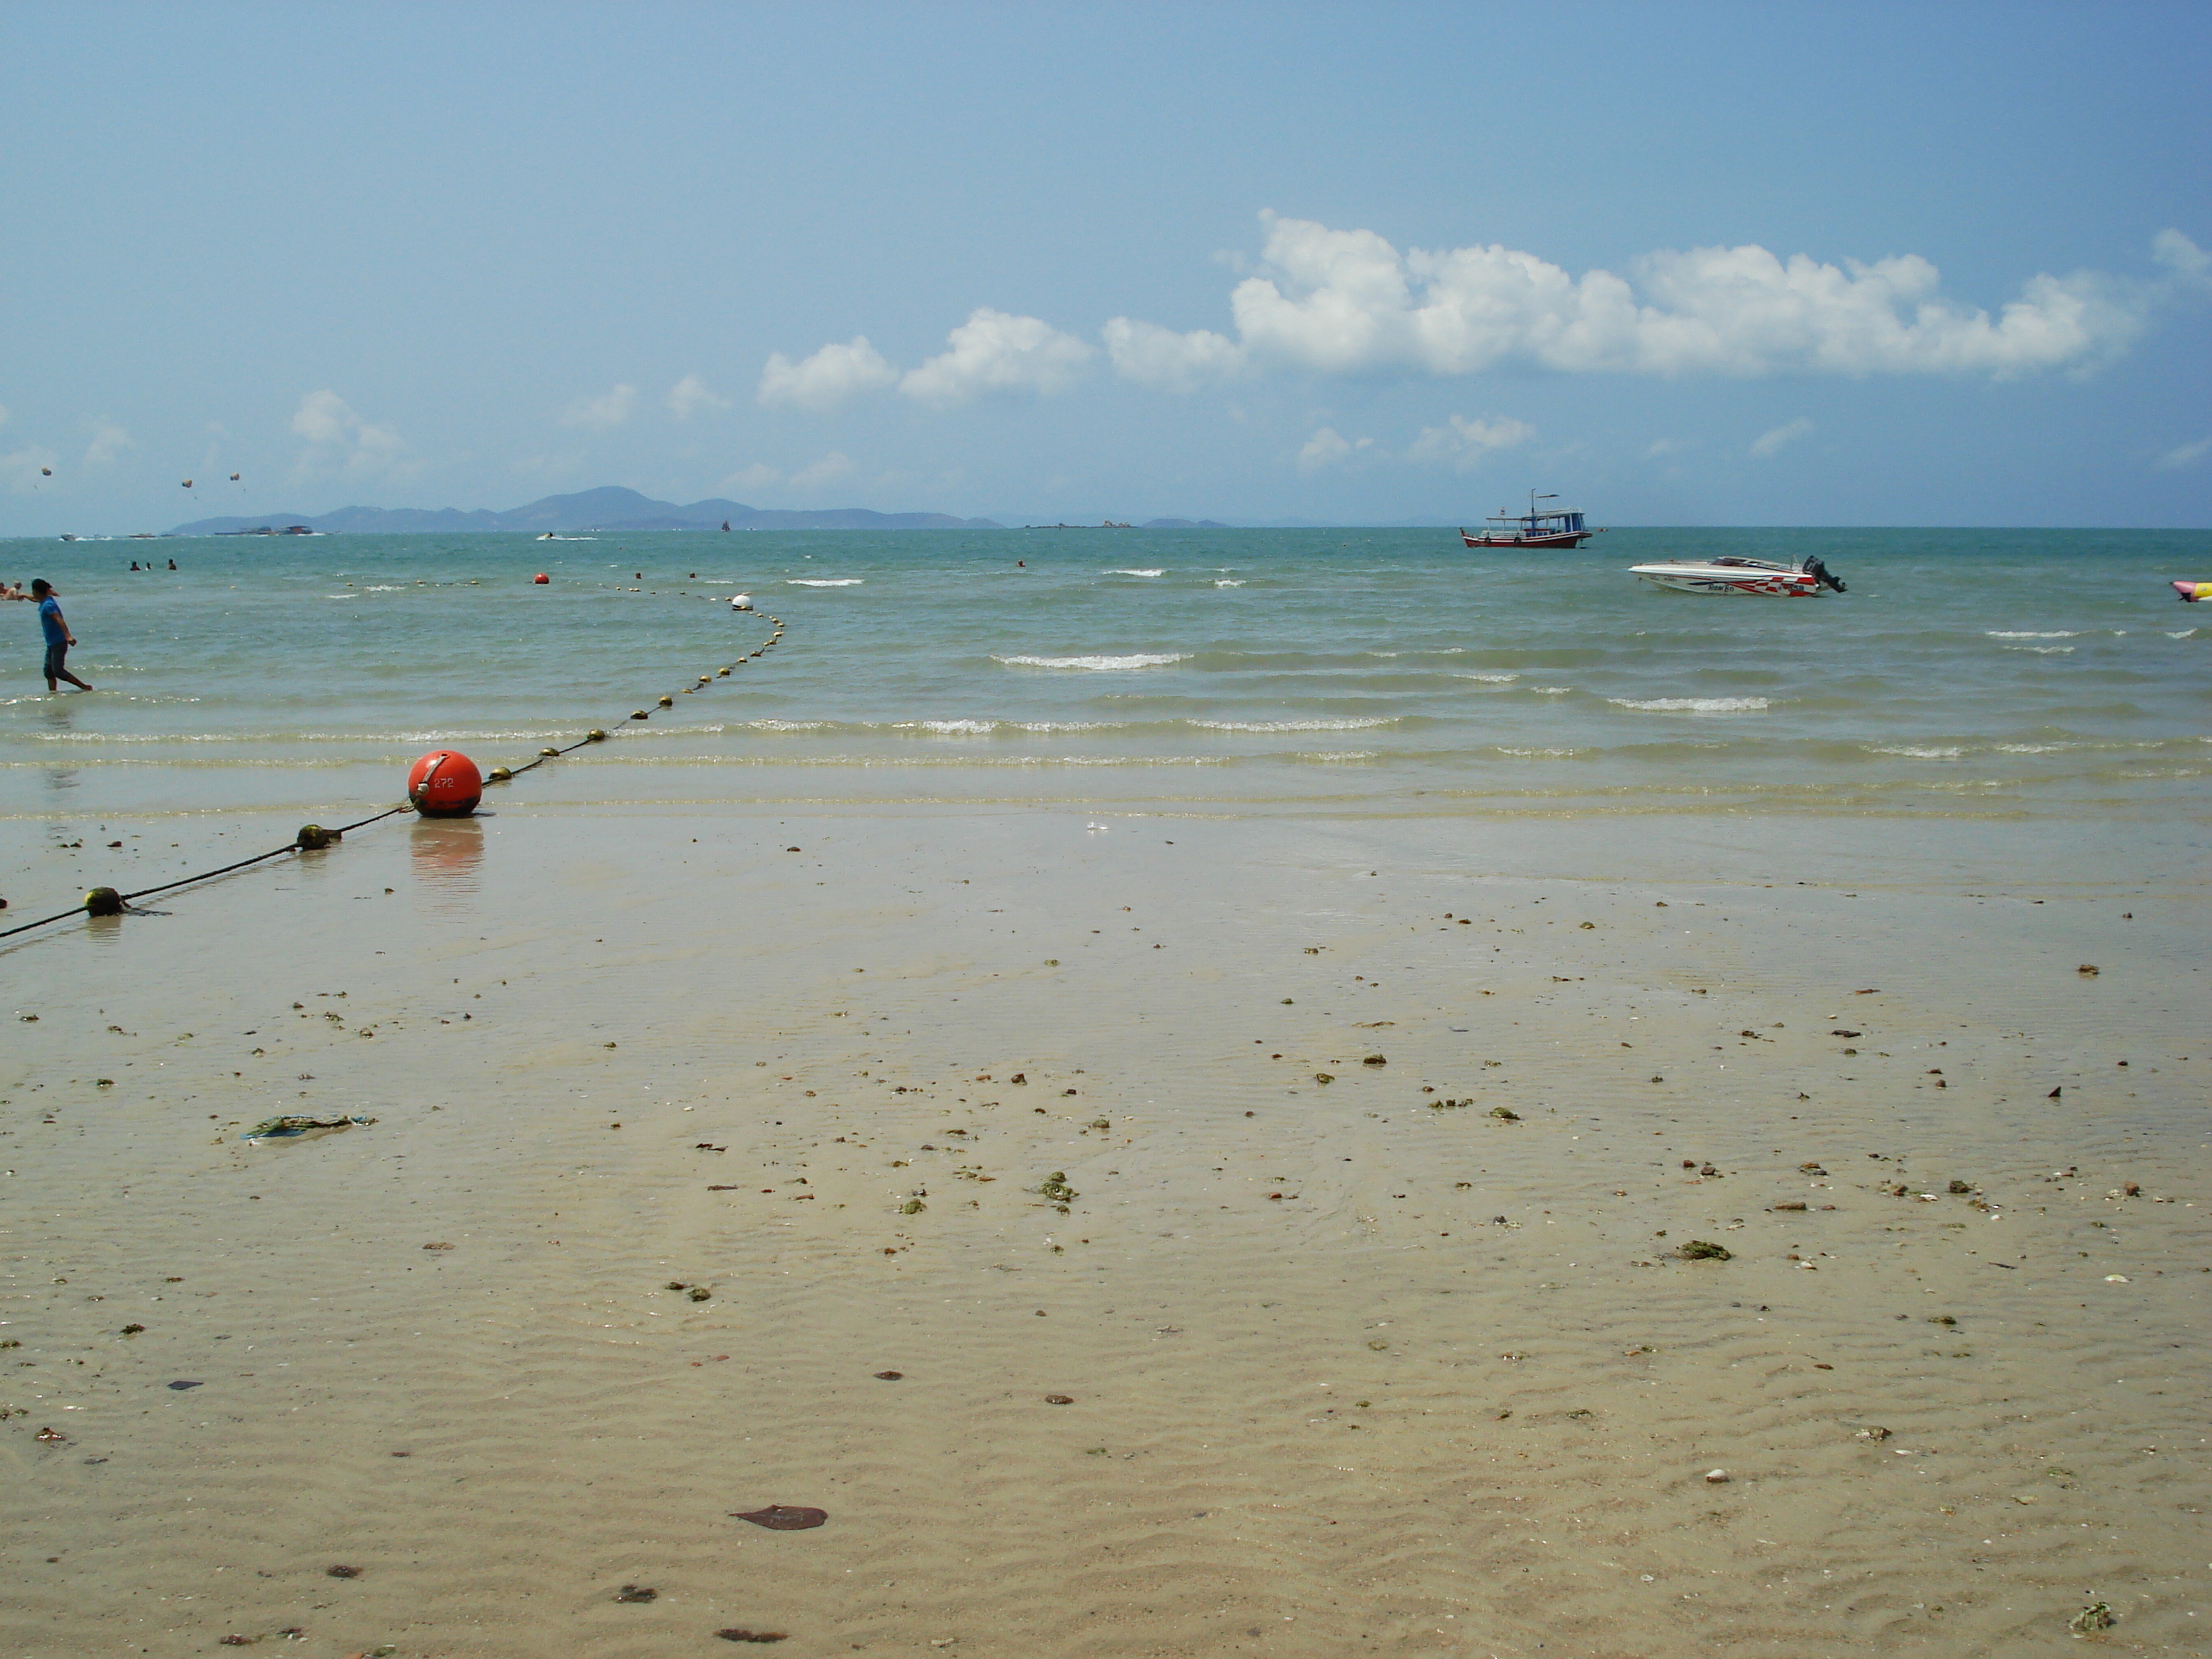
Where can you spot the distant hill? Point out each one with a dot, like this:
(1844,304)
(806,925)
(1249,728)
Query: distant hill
(611,507)
(1184,524)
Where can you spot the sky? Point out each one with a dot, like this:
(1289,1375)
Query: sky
(1936,263)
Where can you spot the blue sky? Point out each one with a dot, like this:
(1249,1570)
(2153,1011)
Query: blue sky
(1935,263)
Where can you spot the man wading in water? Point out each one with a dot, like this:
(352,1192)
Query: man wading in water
(58,637)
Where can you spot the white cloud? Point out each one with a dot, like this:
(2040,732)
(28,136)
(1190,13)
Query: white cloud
(1463,445)
(2186,454)
(993,351)
(1348,301)
(1661,448)
(691,395)
(831,468)
(756,477)
(108,441)
(1157,356)
(1327,446)
(1780,438)
(609,410)
(339,440)
(831,377)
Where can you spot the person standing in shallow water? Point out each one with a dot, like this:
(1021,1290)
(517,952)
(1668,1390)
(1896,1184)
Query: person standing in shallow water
(58,637)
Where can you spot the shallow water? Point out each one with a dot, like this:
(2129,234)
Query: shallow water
(1975,673)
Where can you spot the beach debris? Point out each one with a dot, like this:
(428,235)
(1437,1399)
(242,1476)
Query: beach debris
(2055,1093)
(699,1293)
(2088,970)
(341,1573)
(1324,1078)
(2131,1189)
(1059,1400)
(287,1128)
(2095,1617)
(1873,1431)
(783,1517)
(736,1633)
(50,1437)
(1792,1204)
(1505,1114)
(183,1385)
(1703,1249)
(1840,1032)
(1374,1059)
(888,1376)
(913,1206)
(1717,1477)
(1959,1189)
(1019,1077)
(132,1330)
(1378,1344)
(637,1593)
(441,1244)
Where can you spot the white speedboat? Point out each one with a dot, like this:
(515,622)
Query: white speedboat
(1728,574)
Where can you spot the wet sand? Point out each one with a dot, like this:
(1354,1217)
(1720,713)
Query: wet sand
(825,1085)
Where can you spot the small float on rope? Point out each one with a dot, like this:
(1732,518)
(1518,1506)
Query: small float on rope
(541,580)
(741,601)
(445,784)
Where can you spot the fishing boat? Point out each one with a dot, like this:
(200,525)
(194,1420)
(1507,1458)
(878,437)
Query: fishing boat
(1728,574)
(1556,526)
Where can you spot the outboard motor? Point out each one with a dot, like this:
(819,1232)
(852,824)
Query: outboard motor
(1818,573)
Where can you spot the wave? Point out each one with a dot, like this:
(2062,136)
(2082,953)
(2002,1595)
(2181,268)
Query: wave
(824,581)
(2062,634)
(1693,705)
(1544,754)
(2045,650)
(1228,584)
(1488,679)
(1921,751)
(1296,726)
(949,728)
(1136,573)
(1136,659)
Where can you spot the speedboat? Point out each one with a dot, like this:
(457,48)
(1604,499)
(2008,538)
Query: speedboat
(1730,574)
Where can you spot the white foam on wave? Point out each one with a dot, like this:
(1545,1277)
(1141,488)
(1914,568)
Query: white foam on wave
(1325,754)
(1136,573)
(2186,634)
(1297,726)
(2062,634)
(1551,690)
(2045,650)
(1229,584)
(1135,659)
(1544,754)
(1489,679)
(790,726)
(824,581)
(1693,705)
(1916,751)
(949,728)
(1061,726)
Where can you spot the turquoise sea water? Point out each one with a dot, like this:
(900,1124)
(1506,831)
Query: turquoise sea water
(2021,673)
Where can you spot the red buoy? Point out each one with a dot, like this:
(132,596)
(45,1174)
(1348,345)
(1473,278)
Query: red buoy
(445,784)
(540,578)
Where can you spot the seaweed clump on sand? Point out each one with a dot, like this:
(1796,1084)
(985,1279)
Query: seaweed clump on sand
(1703,1249)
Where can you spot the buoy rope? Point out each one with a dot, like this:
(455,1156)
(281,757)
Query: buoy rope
(106,901)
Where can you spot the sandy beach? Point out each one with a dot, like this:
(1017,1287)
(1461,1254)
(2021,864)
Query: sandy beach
(1392,1126)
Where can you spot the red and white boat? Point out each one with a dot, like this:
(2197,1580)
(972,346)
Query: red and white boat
(1554,528)
(1731,574)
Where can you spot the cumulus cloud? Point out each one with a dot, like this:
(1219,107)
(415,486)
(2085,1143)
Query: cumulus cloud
(827,471)
(691,395)
(609,410)
(1766,443)
(1464,443)
(830,378)
(2186,454)
(756,477)
(1155,356)
(1349,303)
(109,440)
(993,351)
(339,440)
(1326,447)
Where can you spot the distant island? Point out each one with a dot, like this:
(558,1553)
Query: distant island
(611,507)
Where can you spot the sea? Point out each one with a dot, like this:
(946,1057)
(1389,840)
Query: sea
(2042,676)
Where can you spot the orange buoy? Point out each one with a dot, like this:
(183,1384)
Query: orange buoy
(445,784)
(540,579)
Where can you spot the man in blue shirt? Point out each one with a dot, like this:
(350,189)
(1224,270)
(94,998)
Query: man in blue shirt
(58,637)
